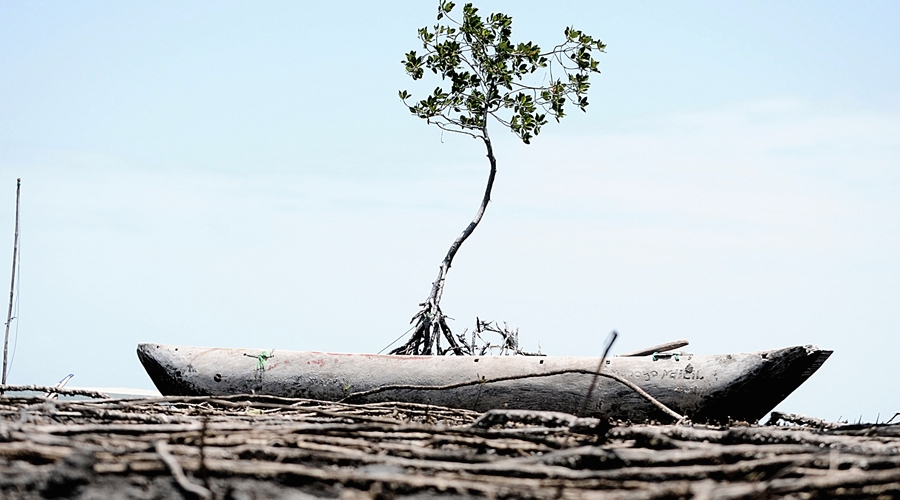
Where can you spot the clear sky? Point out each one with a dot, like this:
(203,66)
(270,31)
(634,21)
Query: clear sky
(244,175)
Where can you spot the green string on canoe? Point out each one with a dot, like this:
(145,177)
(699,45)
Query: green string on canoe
(261,358)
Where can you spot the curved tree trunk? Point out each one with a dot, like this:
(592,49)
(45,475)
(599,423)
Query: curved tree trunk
(430,323)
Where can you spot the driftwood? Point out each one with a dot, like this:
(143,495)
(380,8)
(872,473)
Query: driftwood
(792,418)
(267,447)
(51,389)
(668,346)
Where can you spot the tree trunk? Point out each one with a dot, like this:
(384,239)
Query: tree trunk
(430,323)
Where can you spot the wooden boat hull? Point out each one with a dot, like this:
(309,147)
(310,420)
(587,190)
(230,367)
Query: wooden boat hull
(705,388)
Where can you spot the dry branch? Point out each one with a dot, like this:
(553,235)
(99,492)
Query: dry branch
(793,418)
(668,346)
(275,447)
(182,480)
(665,409)
(52,390)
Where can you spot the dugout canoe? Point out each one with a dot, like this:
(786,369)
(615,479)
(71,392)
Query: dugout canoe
(706,388)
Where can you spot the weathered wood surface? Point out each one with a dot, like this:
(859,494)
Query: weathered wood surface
(247,447)
(705,388)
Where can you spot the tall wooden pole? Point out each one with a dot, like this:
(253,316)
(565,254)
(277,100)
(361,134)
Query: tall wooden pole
(12,285)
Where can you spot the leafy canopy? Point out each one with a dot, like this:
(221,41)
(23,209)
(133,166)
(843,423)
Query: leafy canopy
(489,75)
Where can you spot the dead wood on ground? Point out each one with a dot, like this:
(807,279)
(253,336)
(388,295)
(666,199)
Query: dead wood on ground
(269,447)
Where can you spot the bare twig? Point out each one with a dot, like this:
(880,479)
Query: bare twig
(587,396)
(628,383)
(509,343)
(53,389)
(59,385)
(175,468)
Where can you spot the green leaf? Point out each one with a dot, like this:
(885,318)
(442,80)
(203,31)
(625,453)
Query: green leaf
(483,72)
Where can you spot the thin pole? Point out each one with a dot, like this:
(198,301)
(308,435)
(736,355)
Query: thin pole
(613,335)
(12,285)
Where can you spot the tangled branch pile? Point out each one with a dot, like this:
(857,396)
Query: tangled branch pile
(245,447)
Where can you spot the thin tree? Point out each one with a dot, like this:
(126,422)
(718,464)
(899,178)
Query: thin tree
(485,78)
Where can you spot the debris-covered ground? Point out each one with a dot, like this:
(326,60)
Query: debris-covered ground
(256,447)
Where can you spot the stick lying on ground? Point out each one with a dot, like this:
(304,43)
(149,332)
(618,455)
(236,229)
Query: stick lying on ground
(548,419)
(178,473)
(794,418)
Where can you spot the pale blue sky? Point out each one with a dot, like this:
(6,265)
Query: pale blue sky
(243,174)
